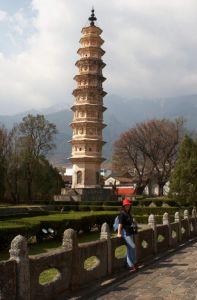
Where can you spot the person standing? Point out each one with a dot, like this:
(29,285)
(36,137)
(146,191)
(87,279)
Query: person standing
(125,231)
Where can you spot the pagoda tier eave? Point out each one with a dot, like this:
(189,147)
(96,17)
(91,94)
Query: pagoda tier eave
(90,90)
(101,125)
(89,76)
(86,159)
(87,61)
(98,50)
(86,140)
(91,38)
(91,29)
(90,105)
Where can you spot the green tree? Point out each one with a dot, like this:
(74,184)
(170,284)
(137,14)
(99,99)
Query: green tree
(13,162)
(37,134)
(25,173)
(183,181)
(35,141)
(47,182)
(3,152)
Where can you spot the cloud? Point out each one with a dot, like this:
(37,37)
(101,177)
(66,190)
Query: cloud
(150,50)
(3,16)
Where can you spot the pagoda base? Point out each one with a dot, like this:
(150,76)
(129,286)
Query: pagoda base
(94,194)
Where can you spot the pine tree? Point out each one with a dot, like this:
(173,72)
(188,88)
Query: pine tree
(183,181)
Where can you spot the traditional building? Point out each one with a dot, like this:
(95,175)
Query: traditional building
(87,124)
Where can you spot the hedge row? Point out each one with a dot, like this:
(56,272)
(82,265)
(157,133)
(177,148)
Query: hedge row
(8,230)
(24,214)
(158,202)
(59,222)
(135,210)
(93,208)
(82,220)
(138,202)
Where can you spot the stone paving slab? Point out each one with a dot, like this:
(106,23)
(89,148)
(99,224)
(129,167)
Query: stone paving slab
(172,278)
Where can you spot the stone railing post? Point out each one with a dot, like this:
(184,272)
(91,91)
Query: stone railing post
(194,215)
(19,253)
(70,242)
(177,220)
(153,226)
(186,217)
(105,234)
(166,221)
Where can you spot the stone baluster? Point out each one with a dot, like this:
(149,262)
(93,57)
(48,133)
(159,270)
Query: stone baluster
(186,217)
(194,215)
(166,221)
(70,242)
(105,234)
(19,253)
(177,220)
(153,226)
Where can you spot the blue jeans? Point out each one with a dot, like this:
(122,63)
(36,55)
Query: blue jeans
(131,254)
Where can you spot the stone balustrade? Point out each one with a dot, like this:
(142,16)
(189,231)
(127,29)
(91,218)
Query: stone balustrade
(19,276)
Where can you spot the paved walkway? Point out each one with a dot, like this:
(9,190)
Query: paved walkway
(172,278)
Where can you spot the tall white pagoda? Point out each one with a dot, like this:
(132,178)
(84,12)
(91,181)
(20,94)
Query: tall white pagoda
(87,124)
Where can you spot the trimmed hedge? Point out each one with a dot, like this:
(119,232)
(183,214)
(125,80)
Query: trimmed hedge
(144,219)
(33,226)
(8,230)
(158,202)
(23,215)
(135,209)
(89,214)
(139,201)
(154,210)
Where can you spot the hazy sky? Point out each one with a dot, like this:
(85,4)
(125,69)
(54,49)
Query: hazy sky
(151,49)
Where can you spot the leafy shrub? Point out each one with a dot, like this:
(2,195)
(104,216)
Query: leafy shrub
(84,208)
(96,208)
(140,197)
(8,230)
(97,203)
(70,207)
(111,208)
(112,203)
(154,210)
(62,203)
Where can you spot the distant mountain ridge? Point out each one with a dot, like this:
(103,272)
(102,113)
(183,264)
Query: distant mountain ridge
(121,114)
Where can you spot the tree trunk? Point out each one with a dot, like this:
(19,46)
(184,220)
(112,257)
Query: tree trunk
(161,185)
(29,184)
(140,189)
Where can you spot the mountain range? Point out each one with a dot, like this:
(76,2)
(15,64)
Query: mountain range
(121,114)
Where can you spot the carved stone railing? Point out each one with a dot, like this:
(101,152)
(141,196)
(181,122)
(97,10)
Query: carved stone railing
(19,276)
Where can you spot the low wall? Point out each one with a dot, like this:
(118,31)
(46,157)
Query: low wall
(19,276)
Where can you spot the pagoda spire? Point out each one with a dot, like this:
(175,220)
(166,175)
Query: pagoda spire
(92,18)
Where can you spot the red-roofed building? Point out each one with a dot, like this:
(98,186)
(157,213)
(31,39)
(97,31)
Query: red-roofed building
(122,185)
(125,191)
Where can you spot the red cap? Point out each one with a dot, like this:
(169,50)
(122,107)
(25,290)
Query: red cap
(126,202)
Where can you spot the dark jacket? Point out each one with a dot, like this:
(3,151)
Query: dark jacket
(126,220)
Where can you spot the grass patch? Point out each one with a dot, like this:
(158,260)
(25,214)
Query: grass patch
(44,247)
(48,276)
(121,251)
(91,262)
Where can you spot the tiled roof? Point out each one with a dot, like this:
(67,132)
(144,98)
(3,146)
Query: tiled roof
(125,191)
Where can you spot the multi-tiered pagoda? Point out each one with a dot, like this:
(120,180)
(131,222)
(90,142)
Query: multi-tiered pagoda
(87,125)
